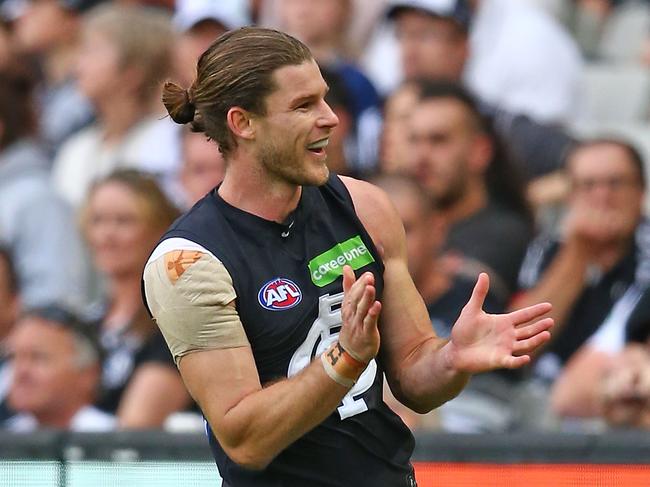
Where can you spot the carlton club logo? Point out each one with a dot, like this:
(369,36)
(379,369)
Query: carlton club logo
(279,294)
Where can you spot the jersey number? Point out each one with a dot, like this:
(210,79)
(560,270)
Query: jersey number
(323,332)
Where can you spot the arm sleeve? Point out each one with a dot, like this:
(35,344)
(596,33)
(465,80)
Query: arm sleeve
(191,297)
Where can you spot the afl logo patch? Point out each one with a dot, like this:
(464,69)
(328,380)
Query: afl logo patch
(279,294)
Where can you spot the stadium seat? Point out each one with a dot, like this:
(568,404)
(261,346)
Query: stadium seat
(614,93)
(625,32)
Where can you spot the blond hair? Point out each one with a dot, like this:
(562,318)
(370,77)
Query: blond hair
(143,38)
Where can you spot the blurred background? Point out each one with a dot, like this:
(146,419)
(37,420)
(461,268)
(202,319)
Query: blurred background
(513,137)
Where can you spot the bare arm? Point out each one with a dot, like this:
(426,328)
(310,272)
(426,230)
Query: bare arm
(254,423)
(576,392)
(154,392)
(561,284)
(593,237)
(624,393)
(424,370)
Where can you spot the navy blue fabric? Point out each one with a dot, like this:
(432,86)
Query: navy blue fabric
(368,448)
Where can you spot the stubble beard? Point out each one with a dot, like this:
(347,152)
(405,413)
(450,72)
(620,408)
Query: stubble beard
(283,164)
(445,198)
(455,189)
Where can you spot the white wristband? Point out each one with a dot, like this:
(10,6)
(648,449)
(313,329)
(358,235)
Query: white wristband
(334,375)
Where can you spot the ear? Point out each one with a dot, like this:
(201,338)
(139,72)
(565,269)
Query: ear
(481,154)
(240,123)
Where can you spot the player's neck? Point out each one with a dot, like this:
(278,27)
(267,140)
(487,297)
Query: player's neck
(248,188)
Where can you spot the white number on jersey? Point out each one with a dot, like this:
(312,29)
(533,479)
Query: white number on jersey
(323,332)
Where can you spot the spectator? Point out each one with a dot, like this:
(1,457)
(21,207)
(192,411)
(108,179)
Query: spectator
(50,31)
(394,153)
(199,23)
(124,217)
(9,308)
(321,24)
(339,98)
(488,403)
(35,225)
(202,168)
(125,54)
(463,167)
(444,292)
(435,44)
(433,37)
(56,366)
(607,378)
(523,61)
(600,254)
(625,389)
(513,54)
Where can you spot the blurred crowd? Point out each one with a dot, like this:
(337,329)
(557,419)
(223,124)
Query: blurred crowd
(510,135)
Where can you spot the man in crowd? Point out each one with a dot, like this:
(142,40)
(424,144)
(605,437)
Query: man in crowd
(464,169)
(601,254)
(512,54)
(434,40)
(199,23)
(488,403)
(56,364)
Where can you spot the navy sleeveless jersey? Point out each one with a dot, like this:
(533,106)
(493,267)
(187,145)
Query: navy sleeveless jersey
(289,291)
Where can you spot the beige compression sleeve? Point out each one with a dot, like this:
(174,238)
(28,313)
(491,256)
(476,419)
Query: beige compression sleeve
(191,297)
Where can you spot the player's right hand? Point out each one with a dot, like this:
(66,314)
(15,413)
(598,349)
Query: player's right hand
(360,313)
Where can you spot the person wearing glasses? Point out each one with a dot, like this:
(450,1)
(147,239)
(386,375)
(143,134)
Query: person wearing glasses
(600,259)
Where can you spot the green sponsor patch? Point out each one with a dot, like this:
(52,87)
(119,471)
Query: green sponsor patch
(328,266)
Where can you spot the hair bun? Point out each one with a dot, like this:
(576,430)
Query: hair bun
(178,104)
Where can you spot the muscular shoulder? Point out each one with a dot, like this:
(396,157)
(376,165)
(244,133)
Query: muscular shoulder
(378,215)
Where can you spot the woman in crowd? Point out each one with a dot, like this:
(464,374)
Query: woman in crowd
(125,55)
(125,215)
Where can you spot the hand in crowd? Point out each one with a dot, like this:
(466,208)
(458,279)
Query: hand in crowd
(625,389)
(591,227)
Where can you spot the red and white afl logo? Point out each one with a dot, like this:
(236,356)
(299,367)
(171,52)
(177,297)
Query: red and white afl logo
(279,294)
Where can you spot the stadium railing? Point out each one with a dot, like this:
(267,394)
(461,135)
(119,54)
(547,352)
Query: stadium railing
(141,459)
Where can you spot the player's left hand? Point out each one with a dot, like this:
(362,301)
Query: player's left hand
(481,342)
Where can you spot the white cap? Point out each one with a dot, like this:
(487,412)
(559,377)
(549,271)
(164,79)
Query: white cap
(458,10)
(232,14)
